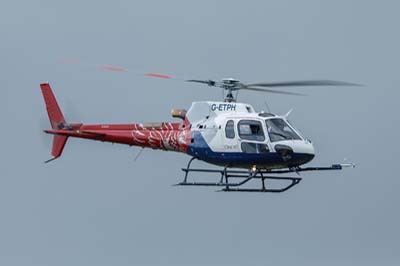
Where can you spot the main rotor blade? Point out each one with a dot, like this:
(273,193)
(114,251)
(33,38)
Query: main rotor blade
(303,83)
(120,69)
(273,91)
(208,82)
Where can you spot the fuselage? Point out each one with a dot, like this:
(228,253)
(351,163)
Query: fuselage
(220,133)
(234,135)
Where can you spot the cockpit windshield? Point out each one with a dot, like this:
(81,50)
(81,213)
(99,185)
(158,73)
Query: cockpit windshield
(278,130)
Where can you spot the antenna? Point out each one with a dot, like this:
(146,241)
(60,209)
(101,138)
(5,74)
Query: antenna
(266,104)
(138,154)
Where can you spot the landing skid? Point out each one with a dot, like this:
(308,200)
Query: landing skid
(225,175)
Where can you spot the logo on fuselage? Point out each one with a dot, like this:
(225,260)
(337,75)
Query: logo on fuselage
(223,107)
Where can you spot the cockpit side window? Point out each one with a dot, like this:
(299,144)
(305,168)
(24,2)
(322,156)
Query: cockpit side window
(278,130)
(230,129)
(251,130)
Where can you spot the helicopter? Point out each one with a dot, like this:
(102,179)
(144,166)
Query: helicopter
(244,144)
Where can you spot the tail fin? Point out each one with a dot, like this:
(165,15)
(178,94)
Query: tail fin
(56,118)
(53,110)
(58,147)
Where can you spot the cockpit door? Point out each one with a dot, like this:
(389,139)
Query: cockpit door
(251,137)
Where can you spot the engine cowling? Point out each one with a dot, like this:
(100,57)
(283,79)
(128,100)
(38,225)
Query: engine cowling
(178,113)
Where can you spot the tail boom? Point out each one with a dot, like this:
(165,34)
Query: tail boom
(164,136)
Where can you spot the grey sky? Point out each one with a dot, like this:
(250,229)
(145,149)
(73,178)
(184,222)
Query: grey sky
(95,206)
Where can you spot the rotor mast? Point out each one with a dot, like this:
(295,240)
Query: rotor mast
(230,85)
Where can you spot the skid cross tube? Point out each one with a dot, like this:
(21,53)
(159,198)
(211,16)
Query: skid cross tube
(246,175)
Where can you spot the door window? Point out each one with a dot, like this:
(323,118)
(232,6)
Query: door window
(230,129)
(251,130)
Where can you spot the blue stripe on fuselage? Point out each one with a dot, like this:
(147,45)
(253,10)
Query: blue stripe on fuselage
(201,150)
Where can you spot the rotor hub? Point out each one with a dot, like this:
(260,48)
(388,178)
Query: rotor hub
(231,83)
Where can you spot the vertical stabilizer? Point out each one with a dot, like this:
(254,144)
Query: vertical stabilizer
(56,118)
(53,110)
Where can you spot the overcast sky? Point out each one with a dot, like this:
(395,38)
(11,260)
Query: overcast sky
(96,206)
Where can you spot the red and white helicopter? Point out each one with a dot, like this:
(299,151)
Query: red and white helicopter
(249,145)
